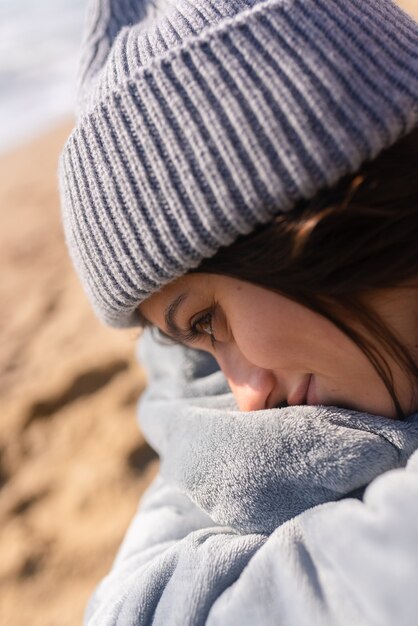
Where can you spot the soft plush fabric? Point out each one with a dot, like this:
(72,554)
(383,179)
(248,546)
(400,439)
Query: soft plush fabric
(290,516)
(200,119)
(255,470)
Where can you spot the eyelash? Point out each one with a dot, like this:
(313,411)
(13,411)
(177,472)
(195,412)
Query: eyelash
(193,334)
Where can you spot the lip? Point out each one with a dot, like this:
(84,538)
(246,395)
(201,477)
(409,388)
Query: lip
(303,393)
(311,395)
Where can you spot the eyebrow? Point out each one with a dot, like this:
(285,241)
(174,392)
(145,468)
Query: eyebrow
(170,315)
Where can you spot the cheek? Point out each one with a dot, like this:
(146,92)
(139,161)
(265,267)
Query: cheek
(278,333)
(267,335)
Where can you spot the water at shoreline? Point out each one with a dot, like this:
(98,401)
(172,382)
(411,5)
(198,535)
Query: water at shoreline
(39,52)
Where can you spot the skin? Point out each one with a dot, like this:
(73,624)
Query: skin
(273,350)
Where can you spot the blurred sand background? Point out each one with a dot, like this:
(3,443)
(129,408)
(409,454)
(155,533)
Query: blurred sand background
(72,460)
(73,463)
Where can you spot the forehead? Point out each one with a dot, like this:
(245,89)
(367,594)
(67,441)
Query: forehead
(154,307)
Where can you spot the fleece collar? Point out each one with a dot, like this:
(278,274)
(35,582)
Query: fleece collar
(253,471)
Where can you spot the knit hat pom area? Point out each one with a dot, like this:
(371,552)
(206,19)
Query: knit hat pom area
(200,119)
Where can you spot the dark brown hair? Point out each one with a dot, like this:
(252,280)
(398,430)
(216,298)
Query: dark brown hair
(328,253)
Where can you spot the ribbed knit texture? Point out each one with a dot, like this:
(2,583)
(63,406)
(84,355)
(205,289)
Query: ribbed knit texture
(199,120)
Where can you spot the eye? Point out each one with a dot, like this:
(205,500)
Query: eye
(203,325)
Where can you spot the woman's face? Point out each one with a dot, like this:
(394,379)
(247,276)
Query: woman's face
(271,349)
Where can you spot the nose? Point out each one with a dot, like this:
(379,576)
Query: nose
(250,384)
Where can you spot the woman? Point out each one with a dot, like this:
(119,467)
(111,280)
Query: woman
(257,308)
(242,177)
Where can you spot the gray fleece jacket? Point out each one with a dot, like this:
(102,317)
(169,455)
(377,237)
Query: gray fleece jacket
(302,515)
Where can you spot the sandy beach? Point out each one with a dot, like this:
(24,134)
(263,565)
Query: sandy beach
(73,463)
(410,6)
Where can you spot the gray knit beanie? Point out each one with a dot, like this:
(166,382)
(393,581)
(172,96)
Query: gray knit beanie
(200,119)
